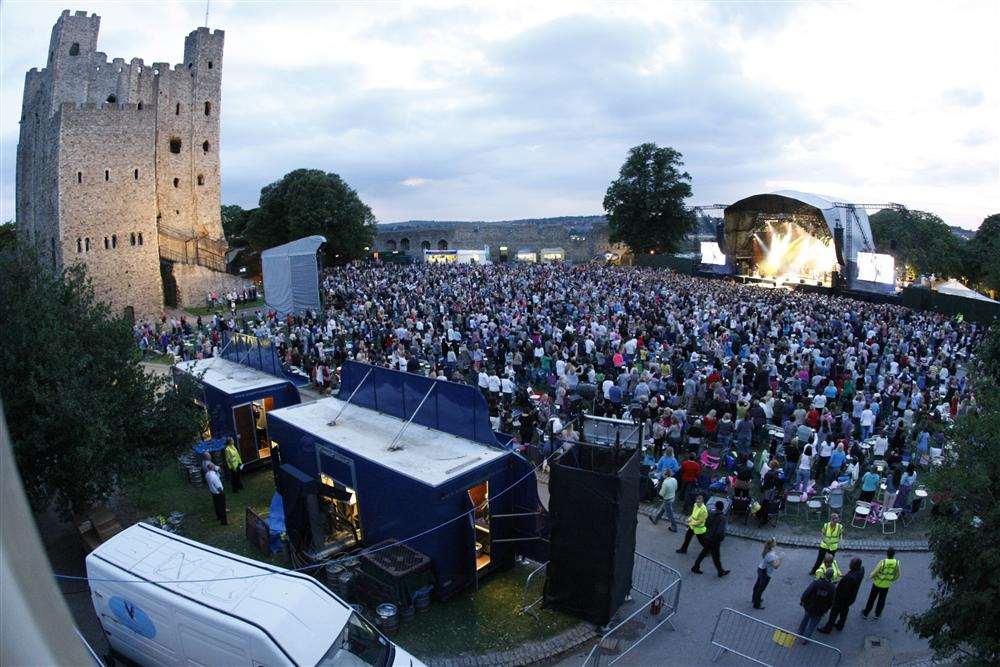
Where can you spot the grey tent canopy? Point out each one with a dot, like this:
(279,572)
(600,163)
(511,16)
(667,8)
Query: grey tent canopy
(291,275)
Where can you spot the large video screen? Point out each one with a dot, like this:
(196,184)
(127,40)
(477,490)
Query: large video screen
(711,253)
(876,268)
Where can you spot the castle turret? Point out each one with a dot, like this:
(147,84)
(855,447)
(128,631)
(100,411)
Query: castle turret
(71,50)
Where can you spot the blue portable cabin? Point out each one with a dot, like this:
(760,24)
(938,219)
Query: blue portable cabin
(422,482)
(235,396)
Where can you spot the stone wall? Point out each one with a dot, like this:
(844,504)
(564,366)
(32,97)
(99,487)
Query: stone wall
(195,282)
(107,208)
(582,239)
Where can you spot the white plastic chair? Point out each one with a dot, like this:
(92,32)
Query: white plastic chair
(862,510)
(794,498)
(814,506)
(889,518)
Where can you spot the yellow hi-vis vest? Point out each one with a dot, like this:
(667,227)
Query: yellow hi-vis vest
(821,570)
(831,536)
(886,572)
(696,522)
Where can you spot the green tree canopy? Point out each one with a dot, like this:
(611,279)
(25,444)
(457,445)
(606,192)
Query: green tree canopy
(984,252)
(234,224)
(920,239)
(307,202)
(965,529)
(81,409)
(645,204)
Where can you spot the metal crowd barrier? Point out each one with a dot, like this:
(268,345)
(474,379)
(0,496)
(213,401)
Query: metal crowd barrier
(529,599)
(660,586)
(767,644)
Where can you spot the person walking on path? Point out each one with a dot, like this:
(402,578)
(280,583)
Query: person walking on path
(816,601)
(883,576)
(844,596)
(668,489)
(769,562)
(829,542)
(234,465)
(696,524)
(218,493)
(716,532)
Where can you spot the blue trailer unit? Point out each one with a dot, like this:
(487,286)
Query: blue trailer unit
(237,399)
(413,459)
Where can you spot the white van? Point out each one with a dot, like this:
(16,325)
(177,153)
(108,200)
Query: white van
(212,616)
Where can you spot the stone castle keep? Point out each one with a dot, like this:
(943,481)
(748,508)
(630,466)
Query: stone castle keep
(118,168)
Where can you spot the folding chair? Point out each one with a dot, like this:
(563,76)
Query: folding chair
(889,518)
(862,511)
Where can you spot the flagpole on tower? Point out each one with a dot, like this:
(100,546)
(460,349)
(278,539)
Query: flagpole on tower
(207,3)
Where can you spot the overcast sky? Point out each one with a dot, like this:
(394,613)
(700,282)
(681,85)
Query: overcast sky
(498,110)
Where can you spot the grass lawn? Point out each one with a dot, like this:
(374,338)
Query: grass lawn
(477,622)
(224,310)
(164,490)
(155,358)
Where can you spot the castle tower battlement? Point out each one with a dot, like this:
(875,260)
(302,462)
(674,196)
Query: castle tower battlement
(116,156)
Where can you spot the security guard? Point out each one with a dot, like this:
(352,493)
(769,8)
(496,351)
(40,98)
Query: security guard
(696,524)
(885,573)
(829,563)
(234,465)
(830,540)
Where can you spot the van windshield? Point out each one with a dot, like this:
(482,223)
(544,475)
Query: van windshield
(358,645)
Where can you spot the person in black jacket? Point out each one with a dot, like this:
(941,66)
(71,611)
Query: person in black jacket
(816,600)
(846,593)
(715,532)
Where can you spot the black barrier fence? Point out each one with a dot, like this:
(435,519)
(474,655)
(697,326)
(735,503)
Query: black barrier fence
(916,297)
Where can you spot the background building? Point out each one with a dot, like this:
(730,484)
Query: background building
(118,168)
(572,239)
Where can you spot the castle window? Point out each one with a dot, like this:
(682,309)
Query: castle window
(190,65)
(112,99)
(442,245)
(107,243)
(177,182)
(86,244)
(425,245)
(51,54)
(404,244)
(52,248)
(74,50)
(390,244)
(135,174)
(114,240)
(205,146)
(177,109)
(209,64)
(140,106)
(201,180)
(208,108)
(175,145)
(131,238)
(107,175)
(79,177)
(140,238)
(140,69)
(79,245)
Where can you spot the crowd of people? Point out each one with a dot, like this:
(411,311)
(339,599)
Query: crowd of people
(745,393)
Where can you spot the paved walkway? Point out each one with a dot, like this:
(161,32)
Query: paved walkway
(702,596)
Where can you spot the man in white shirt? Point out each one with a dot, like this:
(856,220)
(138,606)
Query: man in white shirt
(867,422)
(214,483)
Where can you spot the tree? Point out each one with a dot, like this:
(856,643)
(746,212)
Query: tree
(645,205)
(984,253)
(965,529)
(81,409)
(307,202)
(920,240)
(8,235)
(234,224)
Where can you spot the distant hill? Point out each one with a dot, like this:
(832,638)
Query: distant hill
(962,232)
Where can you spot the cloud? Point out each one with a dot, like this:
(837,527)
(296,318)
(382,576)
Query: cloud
(457,111)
